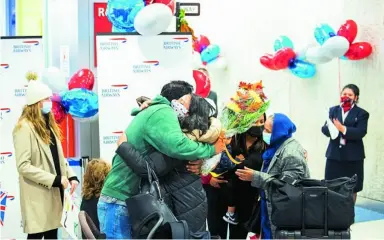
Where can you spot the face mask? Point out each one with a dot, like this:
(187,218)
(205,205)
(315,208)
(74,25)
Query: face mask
(179,108)
(256,131)
(47,107)
(346,100)
(267,138)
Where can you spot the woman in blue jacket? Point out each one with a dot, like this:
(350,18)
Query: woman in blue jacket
(345,153)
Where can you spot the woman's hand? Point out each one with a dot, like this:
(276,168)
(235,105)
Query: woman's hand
(64,182)
(195,166)
(145,104)
(74,185)
(338,125)
(245,174)
(215,182)
(219,145)
(122,138)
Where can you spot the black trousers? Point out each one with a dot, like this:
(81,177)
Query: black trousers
(51,234)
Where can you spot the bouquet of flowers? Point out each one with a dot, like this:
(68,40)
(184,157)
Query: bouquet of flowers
(245,107)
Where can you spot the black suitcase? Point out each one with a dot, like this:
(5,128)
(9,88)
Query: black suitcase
(305,233)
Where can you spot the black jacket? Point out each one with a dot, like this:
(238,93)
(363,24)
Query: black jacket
(357,124)
(183,192)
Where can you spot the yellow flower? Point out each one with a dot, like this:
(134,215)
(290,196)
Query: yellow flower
(236,97)
(255,96)
(234,107)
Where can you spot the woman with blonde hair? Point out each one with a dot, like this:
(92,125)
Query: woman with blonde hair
(95,174)
(43,171)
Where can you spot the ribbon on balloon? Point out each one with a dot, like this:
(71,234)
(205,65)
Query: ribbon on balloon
(285,57)
(76,98)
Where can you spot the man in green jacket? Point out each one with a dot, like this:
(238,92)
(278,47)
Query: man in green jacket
(156,127)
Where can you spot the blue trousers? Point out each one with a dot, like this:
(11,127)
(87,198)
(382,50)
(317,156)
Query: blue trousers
(113,217)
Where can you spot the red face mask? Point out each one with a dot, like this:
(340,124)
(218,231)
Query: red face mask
(346,103)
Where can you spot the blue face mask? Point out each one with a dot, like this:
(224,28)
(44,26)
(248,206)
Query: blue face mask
(47,107)
(267,138)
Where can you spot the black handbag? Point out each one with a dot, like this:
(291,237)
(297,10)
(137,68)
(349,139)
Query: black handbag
(147,210)
(312,204)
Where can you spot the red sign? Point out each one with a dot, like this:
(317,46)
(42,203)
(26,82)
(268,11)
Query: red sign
(101,23)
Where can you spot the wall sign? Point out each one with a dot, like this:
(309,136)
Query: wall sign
(191,9)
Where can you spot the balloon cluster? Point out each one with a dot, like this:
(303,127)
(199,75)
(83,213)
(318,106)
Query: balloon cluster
(285,57)
(147,17)
(340,44)
(76,98)
(332,45)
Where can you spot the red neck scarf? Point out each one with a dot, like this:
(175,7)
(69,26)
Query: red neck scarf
(346,104)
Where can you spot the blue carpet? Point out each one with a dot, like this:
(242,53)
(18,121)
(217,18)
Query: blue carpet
(365,215)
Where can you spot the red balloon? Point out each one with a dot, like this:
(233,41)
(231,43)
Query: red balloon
(203,83)
(359,51)
(283,57)
(348,30)
(58,112)
(83,78)
(267,61)
(170,3)
(201,43)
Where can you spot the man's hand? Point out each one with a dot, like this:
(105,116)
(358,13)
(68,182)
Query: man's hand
(74,184)
(122,138)
(215,182)
(195,166)
(338,125)
(245,174)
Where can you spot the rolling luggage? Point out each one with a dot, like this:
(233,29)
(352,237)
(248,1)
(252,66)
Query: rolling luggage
(307,208)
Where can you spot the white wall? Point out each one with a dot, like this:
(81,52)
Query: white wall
(246,29)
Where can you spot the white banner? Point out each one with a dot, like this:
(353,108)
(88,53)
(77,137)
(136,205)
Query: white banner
(19,55)
(130,66)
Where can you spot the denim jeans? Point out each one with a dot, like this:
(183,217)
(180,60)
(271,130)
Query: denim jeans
(113,217)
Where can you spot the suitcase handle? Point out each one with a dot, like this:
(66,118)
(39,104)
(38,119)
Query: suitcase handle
(303,228)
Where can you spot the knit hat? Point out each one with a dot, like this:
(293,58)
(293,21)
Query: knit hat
(36,90)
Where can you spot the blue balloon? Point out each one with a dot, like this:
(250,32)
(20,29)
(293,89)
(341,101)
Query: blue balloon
(122,13)
(302,69)
(344,58)
(210,53)
(323,32)
(282,42)
(80,102)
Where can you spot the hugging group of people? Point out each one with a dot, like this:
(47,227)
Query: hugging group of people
(172,133)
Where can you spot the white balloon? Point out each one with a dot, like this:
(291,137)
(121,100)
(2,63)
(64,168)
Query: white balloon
(318,55)
(337,46)
(54,79)
(196,60)
(219,63)
(153,19)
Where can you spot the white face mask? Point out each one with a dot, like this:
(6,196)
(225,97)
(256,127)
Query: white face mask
(179,108)
(47,107)
(267,137)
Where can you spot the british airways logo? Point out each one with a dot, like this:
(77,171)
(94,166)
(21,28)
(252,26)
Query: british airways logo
(25,46)
(113,44)
(3,112)
(112,138)
(4,65)
(175,43)
(113,91)
(4,156)
(20,92)
(145,66)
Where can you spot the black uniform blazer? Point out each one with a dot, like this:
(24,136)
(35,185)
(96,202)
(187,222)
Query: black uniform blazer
(356,123)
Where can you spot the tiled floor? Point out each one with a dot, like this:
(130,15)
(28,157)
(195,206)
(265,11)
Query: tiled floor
(369,220)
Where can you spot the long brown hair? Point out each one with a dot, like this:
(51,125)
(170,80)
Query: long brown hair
(97,171)
(32,113)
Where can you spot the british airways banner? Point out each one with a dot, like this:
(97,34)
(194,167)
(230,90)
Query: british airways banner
(19,55)
(130,66)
